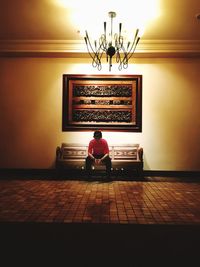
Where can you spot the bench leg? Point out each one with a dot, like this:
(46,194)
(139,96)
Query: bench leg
(140,172)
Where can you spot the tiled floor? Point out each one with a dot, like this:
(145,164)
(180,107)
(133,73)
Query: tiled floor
(116,202)
(139,223)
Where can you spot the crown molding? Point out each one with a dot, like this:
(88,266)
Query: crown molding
(69,48)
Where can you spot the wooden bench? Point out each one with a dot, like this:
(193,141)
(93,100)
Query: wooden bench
(125,158)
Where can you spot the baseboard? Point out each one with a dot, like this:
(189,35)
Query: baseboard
(26,172)
(45,173)
(172,173)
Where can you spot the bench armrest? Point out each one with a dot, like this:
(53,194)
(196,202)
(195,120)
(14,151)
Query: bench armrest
(58,152)
(140,153)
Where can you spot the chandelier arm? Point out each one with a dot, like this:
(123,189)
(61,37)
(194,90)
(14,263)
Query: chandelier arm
(129,56)
(103,43)
(96,64)
(119,60)
(91,55)
(124,61)
(119,42)
(87,41)
(135,42)
(96,60)
(118,57)
(99,54)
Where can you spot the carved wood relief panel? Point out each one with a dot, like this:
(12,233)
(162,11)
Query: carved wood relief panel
(105,102)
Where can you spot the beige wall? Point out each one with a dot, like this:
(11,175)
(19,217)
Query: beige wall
(31,111)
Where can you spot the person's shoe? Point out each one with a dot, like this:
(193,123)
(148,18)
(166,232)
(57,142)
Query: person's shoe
(108,178)
(88,176)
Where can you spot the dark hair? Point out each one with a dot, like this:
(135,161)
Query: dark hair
(97,134)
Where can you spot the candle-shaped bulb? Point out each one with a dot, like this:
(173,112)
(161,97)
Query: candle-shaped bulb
(120,28)
(104,27)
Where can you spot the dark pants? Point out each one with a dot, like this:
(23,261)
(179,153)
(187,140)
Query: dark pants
(89,161)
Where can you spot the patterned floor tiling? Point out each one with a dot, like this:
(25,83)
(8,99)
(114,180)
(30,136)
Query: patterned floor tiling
(123,202)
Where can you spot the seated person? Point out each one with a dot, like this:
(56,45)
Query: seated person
(98,152)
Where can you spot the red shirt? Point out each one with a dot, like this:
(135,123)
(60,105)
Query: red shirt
(98,147)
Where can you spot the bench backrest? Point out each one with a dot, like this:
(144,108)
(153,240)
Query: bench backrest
(116,152)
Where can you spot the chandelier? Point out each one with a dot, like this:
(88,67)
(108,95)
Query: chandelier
(114,45)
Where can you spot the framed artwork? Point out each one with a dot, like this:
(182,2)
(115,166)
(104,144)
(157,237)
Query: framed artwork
(106,102)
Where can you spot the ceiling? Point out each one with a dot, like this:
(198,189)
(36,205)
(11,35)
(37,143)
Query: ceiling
(46,25)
